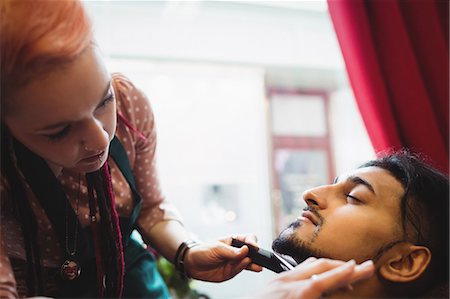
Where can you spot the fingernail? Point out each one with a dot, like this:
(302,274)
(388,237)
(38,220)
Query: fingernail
(238,250)
(351,262)
(364,265)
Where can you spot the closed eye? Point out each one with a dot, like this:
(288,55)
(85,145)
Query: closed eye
(60,134)
(353,200)
(106,101)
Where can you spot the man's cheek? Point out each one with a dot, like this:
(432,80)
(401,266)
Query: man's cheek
(335,241)
(342,238)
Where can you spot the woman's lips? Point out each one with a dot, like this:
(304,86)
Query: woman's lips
(93,158)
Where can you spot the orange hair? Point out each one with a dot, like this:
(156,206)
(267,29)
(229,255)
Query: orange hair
(37,35)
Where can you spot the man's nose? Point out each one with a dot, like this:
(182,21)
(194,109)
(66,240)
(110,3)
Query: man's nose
(315,198)
(96,138)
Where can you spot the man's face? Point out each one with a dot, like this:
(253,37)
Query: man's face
(354,218)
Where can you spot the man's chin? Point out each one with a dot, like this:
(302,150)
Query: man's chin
(295,241)
(297,249)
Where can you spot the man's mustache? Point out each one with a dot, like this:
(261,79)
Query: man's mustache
(320,219)
(315,212)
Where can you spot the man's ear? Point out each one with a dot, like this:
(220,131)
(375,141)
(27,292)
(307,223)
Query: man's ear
(405,263)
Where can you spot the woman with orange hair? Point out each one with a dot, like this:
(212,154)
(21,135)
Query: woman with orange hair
(78,170)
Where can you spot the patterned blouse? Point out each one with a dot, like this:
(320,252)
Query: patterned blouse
(135,107)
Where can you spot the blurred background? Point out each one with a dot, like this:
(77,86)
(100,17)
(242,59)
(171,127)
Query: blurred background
(252,106)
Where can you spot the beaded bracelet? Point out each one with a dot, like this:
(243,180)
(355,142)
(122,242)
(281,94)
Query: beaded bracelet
(180,255)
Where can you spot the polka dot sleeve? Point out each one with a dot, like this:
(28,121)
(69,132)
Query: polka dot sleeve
(135,107)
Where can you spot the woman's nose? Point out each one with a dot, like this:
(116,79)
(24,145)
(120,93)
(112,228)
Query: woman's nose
(95,136)
(315,198)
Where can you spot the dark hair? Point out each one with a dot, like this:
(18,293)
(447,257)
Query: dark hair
(424,206)
(109,254)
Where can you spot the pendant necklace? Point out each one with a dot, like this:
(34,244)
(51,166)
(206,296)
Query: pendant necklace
(71,268)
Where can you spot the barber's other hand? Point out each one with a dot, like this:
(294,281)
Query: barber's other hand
(315,277)
(219,261)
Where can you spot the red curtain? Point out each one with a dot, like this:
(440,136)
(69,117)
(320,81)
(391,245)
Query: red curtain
(397,58)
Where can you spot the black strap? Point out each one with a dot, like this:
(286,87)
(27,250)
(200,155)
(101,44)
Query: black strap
(119,155)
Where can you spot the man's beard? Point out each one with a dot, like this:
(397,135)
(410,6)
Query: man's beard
(298,249)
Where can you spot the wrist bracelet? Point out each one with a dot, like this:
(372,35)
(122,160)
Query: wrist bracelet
(180,255)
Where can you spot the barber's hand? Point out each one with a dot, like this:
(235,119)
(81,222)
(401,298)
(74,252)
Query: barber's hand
(219,261)
(315,277)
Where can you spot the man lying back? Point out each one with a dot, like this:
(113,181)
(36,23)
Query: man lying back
(392,210)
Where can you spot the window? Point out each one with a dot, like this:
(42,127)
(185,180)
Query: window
(301,149)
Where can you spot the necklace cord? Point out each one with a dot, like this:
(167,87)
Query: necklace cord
(74,250)
(96,236)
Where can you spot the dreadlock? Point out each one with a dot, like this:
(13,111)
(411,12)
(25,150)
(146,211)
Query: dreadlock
(109,253)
